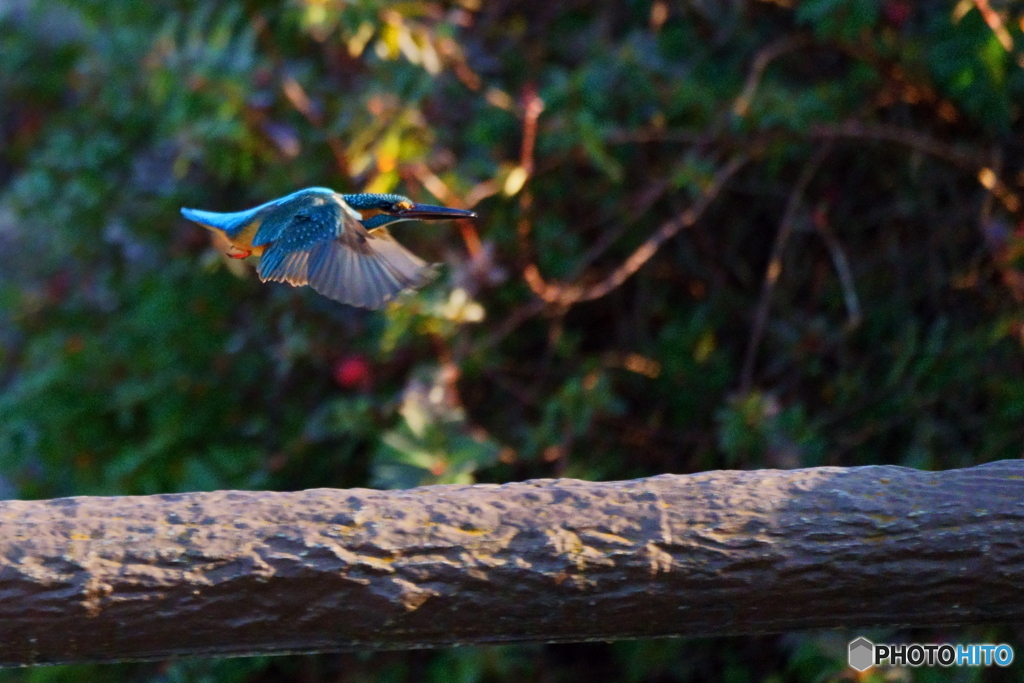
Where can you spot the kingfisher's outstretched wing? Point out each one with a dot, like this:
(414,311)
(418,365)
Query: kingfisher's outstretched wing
(366,268)
(320,243)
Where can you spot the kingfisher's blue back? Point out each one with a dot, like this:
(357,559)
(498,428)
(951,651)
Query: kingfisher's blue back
(233,223)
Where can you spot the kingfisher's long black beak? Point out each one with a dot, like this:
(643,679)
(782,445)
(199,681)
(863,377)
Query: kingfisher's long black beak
(426,212)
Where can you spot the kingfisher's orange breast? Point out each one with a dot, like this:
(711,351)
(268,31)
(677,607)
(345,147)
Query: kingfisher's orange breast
(243,239)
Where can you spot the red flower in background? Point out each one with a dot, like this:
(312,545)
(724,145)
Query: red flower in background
(353,372)
(897,12)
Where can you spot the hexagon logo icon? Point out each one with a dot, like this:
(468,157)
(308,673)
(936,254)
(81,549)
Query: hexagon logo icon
(862,654)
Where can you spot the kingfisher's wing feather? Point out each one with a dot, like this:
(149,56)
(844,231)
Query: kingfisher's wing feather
(317,240)
(292,230)
(365,269)
(407,266)
(292,268)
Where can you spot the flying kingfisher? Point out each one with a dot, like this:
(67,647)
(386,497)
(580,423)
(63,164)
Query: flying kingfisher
(317,237)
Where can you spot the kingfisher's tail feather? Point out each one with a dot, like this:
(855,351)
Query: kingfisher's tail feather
(226,222)
(207,219)
(369,277)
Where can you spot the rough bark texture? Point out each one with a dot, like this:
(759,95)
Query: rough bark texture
(227,573)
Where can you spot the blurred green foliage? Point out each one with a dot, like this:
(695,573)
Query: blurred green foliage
(134,358)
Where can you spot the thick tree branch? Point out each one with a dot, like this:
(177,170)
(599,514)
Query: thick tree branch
(230,573)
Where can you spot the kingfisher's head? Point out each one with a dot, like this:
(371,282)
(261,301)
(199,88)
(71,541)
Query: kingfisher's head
(392,208)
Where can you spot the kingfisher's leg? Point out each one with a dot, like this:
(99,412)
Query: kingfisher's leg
(235,252)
